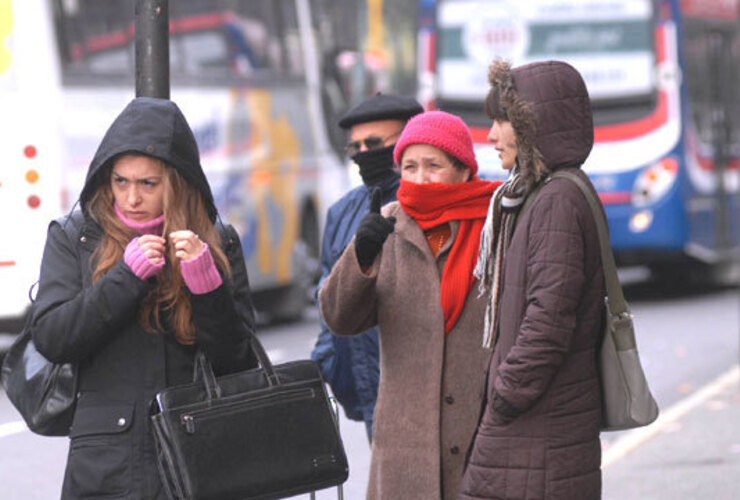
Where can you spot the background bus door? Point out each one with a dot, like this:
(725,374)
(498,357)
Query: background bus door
(725,238)
(713,147)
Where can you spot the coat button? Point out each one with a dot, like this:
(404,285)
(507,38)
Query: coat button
(83,239)
(449,400)
(454,450)
(121,422)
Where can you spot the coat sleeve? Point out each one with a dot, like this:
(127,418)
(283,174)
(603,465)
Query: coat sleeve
(555,263)
(71,321)
(224,318)
(347,299)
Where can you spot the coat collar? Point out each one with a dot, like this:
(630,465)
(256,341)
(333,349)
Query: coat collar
(408,230)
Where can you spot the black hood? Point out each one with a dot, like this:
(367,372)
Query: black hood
(156,128)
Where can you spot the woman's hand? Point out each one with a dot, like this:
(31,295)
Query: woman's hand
(152,246)
(186,243)
(372,232)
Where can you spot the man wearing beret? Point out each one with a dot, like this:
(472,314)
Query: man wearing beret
(350,364)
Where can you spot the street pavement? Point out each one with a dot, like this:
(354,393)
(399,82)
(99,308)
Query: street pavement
(691,452)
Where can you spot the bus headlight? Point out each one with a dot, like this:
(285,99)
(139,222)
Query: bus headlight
(641,221)
(654,182)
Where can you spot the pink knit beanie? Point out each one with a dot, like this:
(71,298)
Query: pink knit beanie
(442,130)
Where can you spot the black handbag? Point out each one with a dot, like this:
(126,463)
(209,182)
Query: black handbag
(43,392)
(268,432)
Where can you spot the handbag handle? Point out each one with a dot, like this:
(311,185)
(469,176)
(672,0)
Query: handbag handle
(264,361)
(203,370)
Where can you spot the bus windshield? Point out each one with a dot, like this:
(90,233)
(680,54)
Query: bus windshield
(611,42)
(248,39)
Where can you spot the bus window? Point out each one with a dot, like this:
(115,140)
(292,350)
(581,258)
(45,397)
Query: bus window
(708,45)
(612,44)
(209,41)
(205,52)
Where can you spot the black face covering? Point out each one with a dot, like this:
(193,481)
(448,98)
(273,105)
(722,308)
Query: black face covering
(375,164)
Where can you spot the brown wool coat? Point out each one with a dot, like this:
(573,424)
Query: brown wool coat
(431,384)
(539,435)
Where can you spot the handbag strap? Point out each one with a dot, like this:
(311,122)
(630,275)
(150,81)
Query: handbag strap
(615,303)
(616,306)
(613,288)
(531,196)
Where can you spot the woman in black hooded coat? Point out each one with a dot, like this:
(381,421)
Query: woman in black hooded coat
(151,277)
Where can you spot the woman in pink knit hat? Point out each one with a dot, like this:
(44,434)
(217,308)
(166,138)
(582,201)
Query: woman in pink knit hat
(409,270)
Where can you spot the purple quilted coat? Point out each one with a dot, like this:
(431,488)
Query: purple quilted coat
(539,434)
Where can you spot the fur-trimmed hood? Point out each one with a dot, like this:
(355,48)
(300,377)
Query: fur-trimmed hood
(548,106)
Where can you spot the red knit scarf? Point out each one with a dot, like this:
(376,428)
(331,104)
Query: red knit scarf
(433,204)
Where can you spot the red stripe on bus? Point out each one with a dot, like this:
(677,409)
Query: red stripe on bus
(7,263)
(608,133)
(432,51)
(708,163)
(199,22)
(479,134)
(637,128)
(660,51)
(615,197)
(122,37)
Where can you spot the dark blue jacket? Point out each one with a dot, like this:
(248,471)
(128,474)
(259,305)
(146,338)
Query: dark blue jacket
(350,365)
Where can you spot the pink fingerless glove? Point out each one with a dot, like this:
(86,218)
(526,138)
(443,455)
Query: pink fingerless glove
(200,274)
(142,267)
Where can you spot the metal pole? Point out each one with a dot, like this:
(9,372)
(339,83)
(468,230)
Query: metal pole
(152,48)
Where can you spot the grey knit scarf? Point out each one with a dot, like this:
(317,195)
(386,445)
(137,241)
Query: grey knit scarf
(495,239)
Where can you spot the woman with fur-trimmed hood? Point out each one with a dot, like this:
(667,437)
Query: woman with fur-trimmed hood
(538,437)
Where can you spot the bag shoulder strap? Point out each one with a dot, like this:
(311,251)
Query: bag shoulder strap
(72,224)
(529,200)
(615,296)
(616,303)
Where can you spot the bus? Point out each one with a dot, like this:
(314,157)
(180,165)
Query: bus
(663,87)
(29,152)
(251,78)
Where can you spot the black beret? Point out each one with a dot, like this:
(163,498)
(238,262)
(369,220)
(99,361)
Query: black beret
(381,107)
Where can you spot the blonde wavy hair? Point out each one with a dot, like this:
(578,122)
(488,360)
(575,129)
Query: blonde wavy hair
(168,304)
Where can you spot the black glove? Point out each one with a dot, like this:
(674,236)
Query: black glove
(372,232)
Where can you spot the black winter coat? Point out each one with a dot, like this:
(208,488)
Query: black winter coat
(120,366)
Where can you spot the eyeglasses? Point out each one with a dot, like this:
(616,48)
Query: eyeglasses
(370,142)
